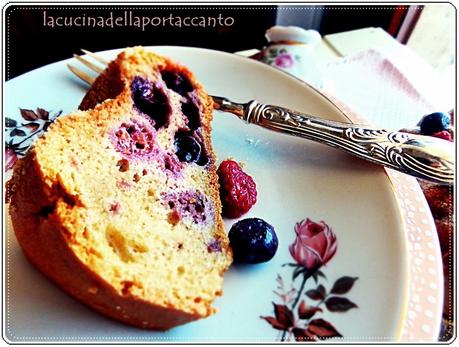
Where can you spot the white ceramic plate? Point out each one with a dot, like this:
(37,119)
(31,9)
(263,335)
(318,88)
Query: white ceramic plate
(296,179)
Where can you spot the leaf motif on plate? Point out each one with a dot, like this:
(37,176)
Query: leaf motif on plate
(28,114)
(10,123)
(32,126)
(21,136)
(317,294)
(343,285)
(42,114)
(283,319)
(303,335)
(339,304)
(274,323)
(305,312)
(283,315)
(18,132)
(323,329)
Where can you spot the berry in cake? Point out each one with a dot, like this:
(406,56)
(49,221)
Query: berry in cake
(170,164)
(253,241)
(191,111)
(177,81)
(151,100)
(193,206)
(189,148)
(238,191)
(134,139)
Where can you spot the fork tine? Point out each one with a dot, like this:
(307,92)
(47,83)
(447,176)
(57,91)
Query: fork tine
(95,56)
(88,64)
(82,75)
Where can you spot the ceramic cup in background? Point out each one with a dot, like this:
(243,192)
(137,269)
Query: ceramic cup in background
(292,49)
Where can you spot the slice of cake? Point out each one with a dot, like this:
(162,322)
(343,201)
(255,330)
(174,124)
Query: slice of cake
(119,204)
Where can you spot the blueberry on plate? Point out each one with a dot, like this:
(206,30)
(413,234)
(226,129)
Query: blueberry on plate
(434,122)
(253,241)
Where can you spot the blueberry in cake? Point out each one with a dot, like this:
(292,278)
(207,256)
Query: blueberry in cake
(118,202)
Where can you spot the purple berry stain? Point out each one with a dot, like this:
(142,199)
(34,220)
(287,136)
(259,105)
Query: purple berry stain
(192,205)
(214,246)
(172,164)
(135,139)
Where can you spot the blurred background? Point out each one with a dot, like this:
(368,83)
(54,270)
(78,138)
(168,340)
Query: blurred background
(429,30)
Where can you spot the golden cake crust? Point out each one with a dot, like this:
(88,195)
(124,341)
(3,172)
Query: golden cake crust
(44,243)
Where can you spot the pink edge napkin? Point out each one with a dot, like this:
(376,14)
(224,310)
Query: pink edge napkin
(391,89)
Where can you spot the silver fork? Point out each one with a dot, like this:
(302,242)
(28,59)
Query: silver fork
(424,157)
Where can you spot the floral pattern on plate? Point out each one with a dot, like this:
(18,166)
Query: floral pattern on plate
(314,246)
(20,135)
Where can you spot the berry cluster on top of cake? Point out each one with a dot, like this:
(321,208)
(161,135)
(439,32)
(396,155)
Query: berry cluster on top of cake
(118,203)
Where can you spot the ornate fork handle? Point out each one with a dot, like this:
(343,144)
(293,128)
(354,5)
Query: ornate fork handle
(420,156)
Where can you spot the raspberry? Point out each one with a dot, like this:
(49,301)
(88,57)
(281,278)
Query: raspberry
(444,134)
(238,191)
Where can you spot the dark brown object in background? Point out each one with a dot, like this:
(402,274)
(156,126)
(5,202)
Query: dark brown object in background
(337,19)
(397,20)
(409,22)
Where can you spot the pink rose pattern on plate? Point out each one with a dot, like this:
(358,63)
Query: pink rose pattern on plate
(314,246)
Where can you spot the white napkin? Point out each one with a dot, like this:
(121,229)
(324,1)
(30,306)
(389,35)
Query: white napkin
(391,89)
